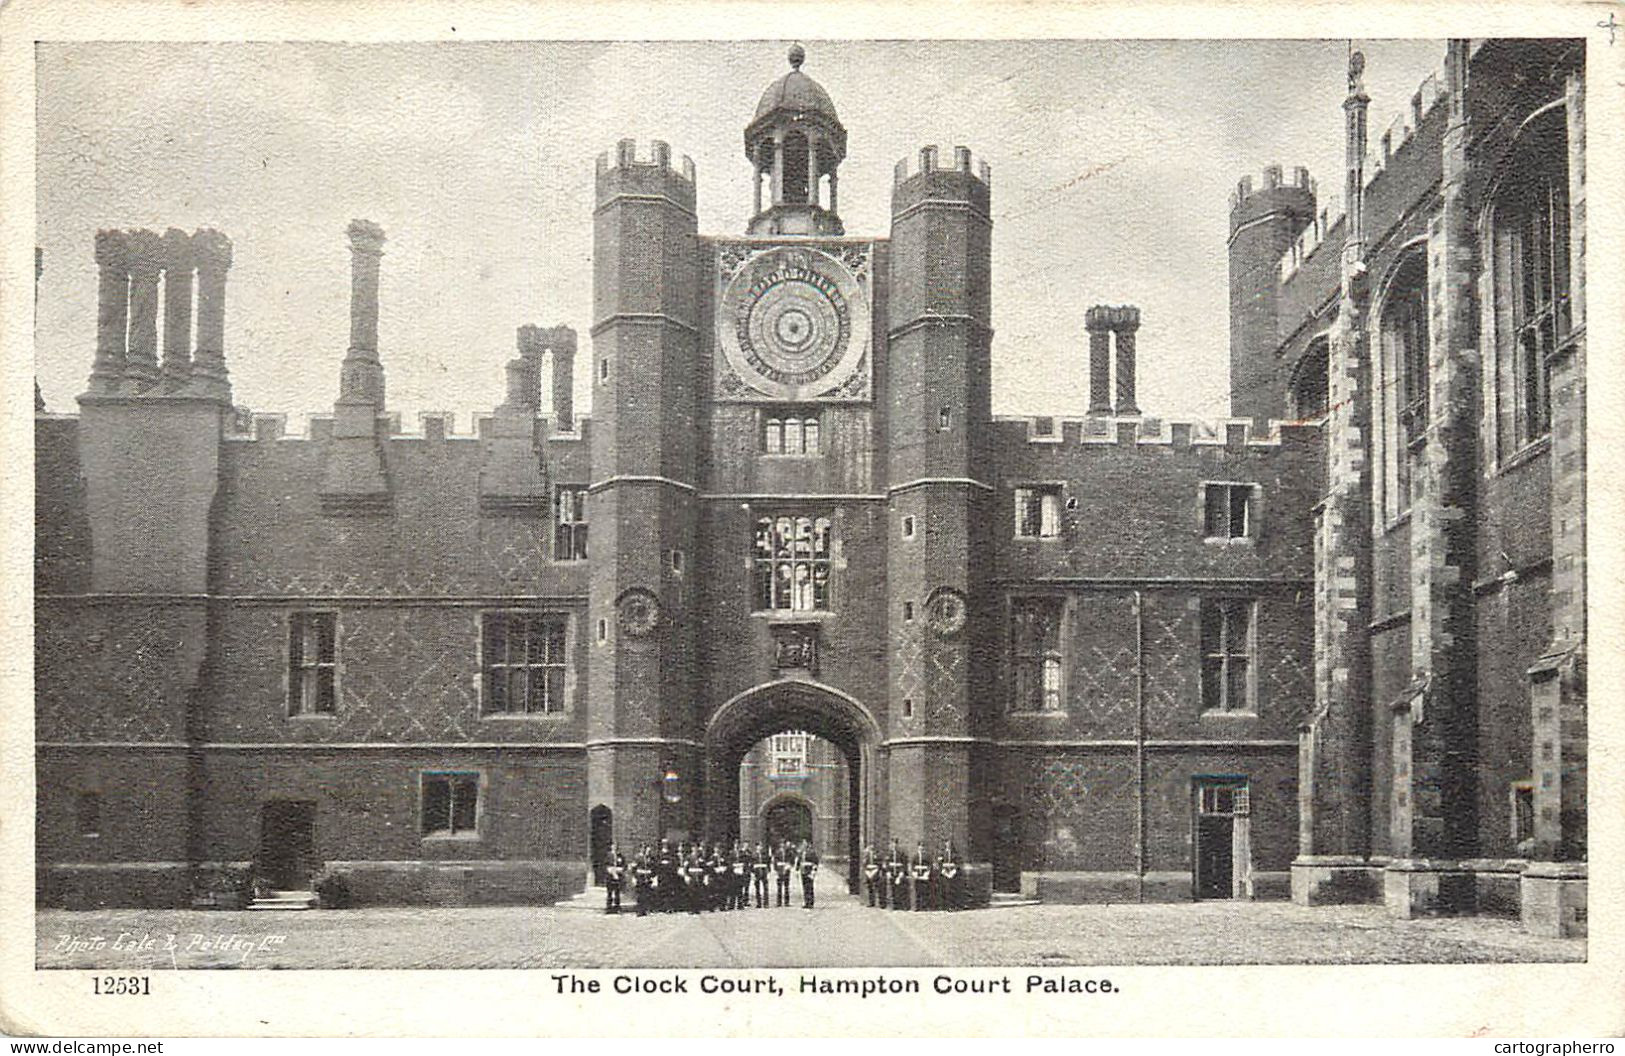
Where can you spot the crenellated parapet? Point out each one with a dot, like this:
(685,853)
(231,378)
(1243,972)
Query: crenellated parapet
(929,161)
(1133,432)
(624,172)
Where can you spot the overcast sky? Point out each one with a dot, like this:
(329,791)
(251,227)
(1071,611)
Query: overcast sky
(1112,165)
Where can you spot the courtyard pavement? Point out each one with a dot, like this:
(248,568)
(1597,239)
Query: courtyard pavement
(839,932)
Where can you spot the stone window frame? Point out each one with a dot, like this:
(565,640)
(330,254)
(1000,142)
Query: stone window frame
(1226,655)
(1051,661)
(1537,153)
(814,561)
(1401,411)
(566,665)
(577,529)
(775,425)
(907,526)
(454,778)
(1253,506)
(297,674)
(1039,490)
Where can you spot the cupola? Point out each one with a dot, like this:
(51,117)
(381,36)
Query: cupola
(795,143)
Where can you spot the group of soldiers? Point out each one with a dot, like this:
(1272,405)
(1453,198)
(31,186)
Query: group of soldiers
(698,878)
(922,882)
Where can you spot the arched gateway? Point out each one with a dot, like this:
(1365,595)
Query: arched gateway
(793,705)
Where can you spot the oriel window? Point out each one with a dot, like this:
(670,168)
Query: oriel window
(312,663)
(791,563)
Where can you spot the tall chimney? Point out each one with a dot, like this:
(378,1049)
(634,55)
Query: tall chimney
(562,341)
(361,380)
(1097,321)
(525,371)
(177,251)
(141,357)
(1126,321)
(212,252)
(112,309)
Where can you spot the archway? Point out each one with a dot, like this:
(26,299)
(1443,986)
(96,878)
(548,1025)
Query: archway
(792,705)
(787,818)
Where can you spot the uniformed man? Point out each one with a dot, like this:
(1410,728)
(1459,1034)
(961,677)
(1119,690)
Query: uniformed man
(694,874)
(761,864)
(897,876)
(807,866)
(643,875)
(953,883)
(668,882)
(614,879)
(871,877)
(920,867)
(782,867)
(739,882)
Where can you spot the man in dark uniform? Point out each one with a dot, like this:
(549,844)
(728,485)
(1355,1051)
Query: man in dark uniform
(782,866)
(920,867)
(760,864)
(668,880)
(694,874)
(897,876)
(643,875)
(614,879)
(952,881)
(807,865)
(871,876)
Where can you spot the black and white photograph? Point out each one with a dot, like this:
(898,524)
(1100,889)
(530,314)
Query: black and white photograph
(808,515)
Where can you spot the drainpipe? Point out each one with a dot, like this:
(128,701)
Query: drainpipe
(1139,747)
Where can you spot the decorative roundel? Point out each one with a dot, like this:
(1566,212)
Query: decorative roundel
(794,322)
(638,612)
(945,612)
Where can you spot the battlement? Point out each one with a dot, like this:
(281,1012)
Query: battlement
(1403,125)
(928,161)
(625,156)
(245,426)
(1311,237)
(1096,432)
(1274,180)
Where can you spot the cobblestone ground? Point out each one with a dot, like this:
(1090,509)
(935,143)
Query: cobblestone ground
(839,932)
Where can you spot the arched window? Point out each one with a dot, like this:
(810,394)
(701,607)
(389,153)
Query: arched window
(1307,396)
(1529,233)
(1403,334)
(773,436)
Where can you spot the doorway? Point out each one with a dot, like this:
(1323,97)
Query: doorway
(601,838)
(1006,847)
(788,819)
(1222,852)
(287,854)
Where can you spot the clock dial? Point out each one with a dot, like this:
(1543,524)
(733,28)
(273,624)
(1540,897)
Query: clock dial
(793,323)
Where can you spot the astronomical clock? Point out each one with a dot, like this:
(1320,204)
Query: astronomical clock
(793,322)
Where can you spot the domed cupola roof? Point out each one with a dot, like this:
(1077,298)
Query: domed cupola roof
(796,92)
(796,99)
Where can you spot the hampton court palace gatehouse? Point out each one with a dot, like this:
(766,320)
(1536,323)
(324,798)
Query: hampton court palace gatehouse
(1331,649)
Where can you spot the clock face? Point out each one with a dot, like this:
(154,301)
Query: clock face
(794,323)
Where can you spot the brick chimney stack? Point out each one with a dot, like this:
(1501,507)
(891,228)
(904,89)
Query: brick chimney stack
(1096,321)
(561,341)
(178,267)
(525,371)
(141,358)
(1126,321)
(361,380)
(112,311)
(211,252)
